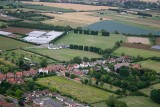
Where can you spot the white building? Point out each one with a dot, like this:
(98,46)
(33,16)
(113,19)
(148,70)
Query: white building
(44,70)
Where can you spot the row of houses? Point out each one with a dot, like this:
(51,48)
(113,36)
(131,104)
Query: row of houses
(4,103)
(44,99)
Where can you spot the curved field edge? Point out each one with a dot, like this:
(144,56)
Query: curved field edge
(80,91)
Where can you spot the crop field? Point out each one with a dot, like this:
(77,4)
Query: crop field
(149,89)
(137,101)
(149,0)
(150,64)
(75,19)
(65,54)
(7,43)
(138,40)
(91,40)
(77,7)
(21,54)
(80,91)
(112,26)
(135,52)
(137,46)
(17,30)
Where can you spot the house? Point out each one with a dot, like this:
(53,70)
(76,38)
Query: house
(70,103)
(19,74)
(77,79)
(37,102)
(85,64)
(2,77)
(11,80)
(77,72)
(26,73)
(136,66)
(43,70)
(10,75)
(60,98)
(119,65)
(49,102)
(6,104)
(33,72)
(19,80)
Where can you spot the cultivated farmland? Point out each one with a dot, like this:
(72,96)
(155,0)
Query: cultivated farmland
(150,64)
(65,54)
(158,41)
(8,43)
(91,40)
(138,40)
(77,7)
(81,92)
(136,52)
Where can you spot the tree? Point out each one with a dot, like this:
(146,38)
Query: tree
(21,62)
(86,81)
(18,93)
(111,101)
(111,67)
(44,63)
(77,60)
(72,76)
(124,71)
(85,59)
(155,95)
(67,74)
(120,104)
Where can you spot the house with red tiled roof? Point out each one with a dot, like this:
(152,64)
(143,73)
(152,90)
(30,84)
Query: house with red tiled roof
(31,72)
(6,104)
(19,74)
(10,75)
(136,66)
(11,80)
(26,73)
(19,80)
(77,72)
(43,70)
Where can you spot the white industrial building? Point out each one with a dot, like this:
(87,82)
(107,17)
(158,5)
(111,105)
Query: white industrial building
(42,37)
(5,33)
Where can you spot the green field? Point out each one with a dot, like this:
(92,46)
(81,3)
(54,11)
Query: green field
(65,54)
(18,54)
(150,64)
(80,91)
(136,52)
(91,40)
(148,90)
(7,43)
(137,101)
(1,23)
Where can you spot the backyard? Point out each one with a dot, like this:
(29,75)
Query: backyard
(80,91)
(65,54)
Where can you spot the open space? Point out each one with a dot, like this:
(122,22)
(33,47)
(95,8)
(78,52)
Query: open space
(77,7)
(65,54)
(158,41)
(15,55)
(137,101)
(8,43)
(135,52)
(138,40)
(149,89)
(150,64)
(80,91)
(102,42)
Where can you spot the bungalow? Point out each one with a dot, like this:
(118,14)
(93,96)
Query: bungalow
(43,70)
(10,75)
(19,74)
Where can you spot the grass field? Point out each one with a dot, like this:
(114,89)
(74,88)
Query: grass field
(65,54)
(23,54)
(136,52)
(148,90)
(136,101)
(1,23)
(82,92)
(4,62)
(150,64)
(7,43)
(90,40)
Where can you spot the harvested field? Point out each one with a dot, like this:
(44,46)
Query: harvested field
(17,30)
(138,40)
(76,18)
(78,7)
(149,0)
(137,46)
(158,41)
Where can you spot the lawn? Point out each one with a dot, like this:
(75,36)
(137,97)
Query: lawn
(150,64)
(148,90)
(18,54)
(8,43)
(136,52)
(90,40)
(65,54)
(80,91)
(137,101)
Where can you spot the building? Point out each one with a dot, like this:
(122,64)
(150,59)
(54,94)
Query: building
(43,70)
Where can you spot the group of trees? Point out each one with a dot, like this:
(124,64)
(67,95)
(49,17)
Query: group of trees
(155,95)
(126,77)
(79,60)
(90,32)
